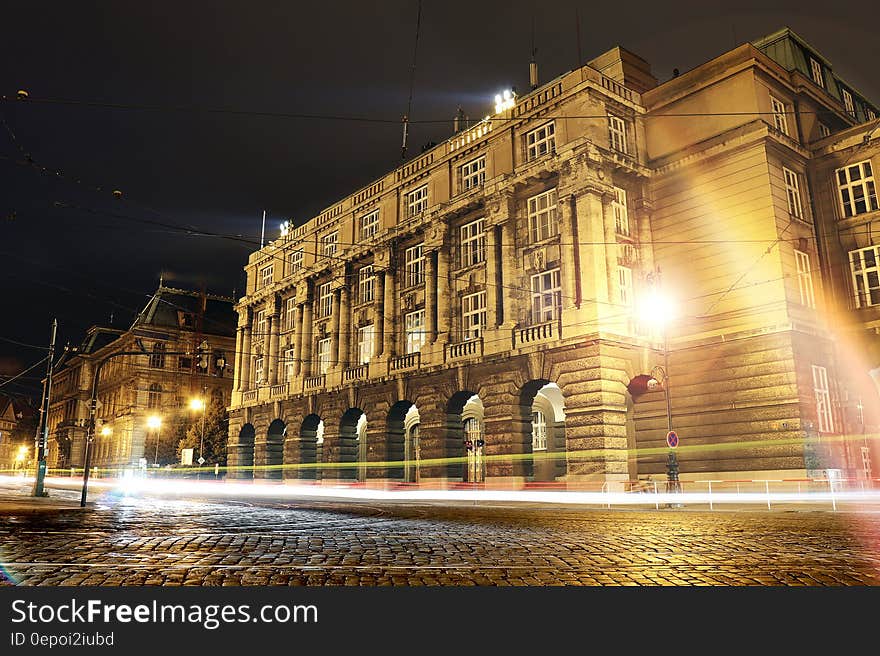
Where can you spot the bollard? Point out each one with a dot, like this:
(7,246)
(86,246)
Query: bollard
(767,488)
(710,495)
(656,502)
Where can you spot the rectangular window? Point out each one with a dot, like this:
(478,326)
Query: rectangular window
(473,243)
(325,300)
(624,285)
(543,220)
(414,326)
(417,201)
(473,315)
(793,193)
(414,266)
(258,369)
(780,120)
(266,275)
(365,284)
(848,102)
(539,431)
(823,130)
(288,364)
(541,141)
(865,267)
(365,344)
(816,70)
(823,399)
(546,296)
(369,224)
(329,243)
(289,313)
(323,355)
(472,174)
(855,184)
(617,133)
(805,278)
(295,261)
(870,114)
(621,215)
(260,323)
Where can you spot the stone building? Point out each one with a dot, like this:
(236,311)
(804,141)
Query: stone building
(158,382)
(18,426)
(491,309)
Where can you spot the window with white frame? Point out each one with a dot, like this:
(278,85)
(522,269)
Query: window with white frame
(473,315)
(473,243)
(266,275)
(793,193)
(366,281)
(624,285)
(621,215)
(154,396)
(823,399)
(329,243)
(546,296)
(325,300)
(541,141)
(369,224)
(417,201)
(295,261)
(539,431)
(290,313)
(289,364)
(870,114)
(805,278)
(855,183)
(824,131)
(260,325)
(414,329)
(543,219)
(472,174)
(413,266)
(366,340)
(780,120)
(816,71)
(258,369)
(617,133)
(848,102)
(323,353)
(865,267)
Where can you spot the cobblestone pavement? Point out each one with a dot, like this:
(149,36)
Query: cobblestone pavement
(130,541)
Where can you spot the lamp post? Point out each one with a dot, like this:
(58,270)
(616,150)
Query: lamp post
(154,422)
(199,404)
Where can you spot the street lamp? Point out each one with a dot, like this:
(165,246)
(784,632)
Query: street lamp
(199,404)
(154,422)
(658,309)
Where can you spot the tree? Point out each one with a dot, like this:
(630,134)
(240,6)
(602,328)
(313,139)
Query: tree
(216,434)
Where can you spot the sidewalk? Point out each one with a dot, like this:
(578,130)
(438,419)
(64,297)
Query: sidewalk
(16,500)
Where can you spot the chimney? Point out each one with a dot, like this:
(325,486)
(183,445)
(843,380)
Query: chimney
(459,123)
(533,73)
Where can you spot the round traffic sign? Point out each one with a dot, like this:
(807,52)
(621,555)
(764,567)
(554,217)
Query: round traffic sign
(672,439)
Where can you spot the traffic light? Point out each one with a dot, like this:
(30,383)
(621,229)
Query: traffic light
(202,355)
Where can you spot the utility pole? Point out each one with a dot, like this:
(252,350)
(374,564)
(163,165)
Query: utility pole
(43,429)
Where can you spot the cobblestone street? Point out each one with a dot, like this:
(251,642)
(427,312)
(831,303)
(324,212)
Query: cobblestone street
(132,541)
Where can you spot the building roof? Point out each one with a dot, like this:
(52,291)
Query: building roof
(180,309)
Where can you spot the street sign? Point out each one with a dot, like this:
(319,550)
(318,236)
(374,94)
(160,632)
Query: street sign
(672,439)
(201,460)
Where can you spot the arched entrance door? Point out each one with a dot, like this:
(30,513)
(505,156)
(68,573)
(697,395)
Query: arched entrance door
(311,442)
(402,438)
(274,447)
(245,452)
(352,444)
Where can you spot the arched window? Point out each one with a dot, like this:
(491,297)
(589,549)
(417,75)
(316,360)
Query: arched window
(157,357)
(154,396)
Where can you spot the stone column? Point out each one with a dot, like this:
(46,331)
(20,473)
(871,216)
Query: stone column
(568,235)
(379,315)
(493,291)
(594,275)
(444,301)
(334,330)
(236,371)
(388,314)
(297,340)
(246,356)
(274,327)
(306,333)
(430,296)
(345,358)
(504,251)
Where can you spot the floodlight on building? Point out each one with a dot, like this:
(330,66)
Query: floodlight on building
(285,228)
(504,101)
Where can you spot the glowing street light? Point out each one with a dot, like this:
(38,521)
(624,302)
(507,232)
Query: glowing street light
(106,431)
(154,422)
(199,404)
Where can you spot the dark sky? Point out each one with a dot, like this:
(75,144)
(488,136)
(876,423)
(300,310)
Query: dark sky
(72,252)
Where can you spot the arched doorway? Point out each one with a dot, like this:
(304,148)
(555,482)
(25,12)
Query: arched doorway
(274,450)
(311,446)
(352,444)
(465,437)
(245,452)
(403,441)
(542,408)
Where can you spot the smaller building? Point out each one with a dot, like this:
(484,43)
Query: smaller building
(18,426)
(183,344)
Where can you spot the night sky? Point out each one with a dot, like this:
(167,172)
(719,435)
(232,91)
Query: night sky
(70,251)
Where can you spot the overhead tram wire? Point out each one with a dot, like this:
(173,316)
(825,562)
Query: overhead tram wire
(22,373)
